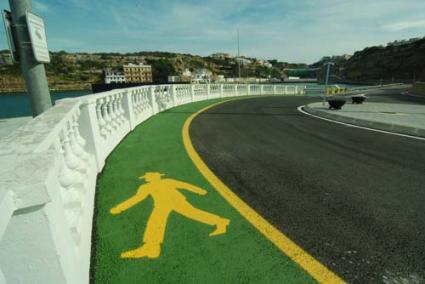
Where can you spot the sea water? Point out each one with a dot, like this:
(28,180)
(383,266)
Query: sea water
(18,104)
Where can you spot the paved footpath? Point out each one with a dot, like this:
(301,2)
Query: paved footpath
(8,125)
(401,118)
(143,236)
(387,110)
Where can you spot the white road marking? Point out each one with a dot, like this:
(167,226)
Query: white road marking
(300,109)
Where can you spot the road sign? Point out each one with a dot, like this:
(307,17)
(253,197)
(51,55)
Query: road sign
(38,38)
(7,20)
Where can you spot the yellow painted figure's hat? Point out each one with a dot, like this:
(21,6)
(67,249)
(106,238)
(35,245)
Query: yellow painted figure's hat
(151,175)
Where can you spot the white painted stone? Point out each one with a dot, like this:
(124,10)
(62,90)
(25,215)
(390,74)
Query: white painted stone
(49,170)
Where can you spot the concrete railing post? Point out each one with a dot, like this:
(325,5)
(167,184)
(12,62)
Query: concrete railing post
(221,90)
(173,94)
(286,90)
(28,249)
(274,90)
(128,109)
(208,91)
(296,90)
(261,90)
(152,100)
(89,129)
(248,91)
(192,92)
(235,90)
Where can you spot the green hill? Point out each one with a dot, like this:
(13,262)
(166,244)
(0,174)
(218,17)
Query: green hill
(397,62)
(80,70)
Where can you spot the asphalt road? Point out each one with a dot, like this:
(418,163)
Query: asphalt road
(352,198)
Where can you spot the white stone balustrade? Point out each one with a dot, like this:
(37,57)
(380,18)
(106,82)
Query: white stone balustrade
(201,92)
(51,177)
(49,170)
(183,94)
(256,90)
(140,102)
(228,90)
(215,91)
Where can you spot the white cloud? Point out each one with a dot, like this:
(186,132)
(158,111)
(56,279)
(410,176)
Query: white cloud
(303,30)
(400,26)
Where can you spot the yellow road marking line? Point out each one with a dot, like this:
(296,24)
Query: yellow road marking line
(313,267)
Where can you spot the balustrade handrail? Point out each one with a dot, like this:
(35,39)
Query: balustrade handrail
(36,134)
(48,185)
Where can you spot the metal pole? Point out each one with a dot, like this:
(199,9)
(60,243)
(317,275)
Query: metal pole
(239,57)
(33,72)
(327,73)
(326,81)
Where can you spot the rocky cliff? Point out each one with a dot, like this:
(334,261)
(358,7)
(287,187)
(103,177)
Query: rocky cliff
(393,63)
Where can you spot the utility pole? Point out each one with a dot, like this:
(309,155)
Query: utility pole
(33,72)
(328,69)
(239,59)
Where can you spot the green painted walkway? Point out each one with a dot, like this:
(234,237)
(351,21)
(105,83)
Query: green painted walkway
(188,254)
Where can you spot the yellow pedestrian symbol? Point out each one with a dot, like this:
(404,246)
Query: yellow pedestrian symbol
(167,198)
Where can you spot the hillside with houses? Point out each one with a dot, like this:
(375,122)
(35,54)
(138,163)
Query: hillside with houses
(75,71)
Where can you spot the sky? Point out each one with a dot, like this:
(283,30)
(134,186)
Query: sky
(300,31)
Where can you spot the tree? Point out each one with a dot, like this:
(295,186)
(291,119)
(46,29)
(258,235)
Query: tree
(161,69)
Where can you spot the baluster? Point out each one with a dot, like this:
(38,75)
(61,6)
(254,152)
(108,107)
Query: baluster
(99,114)
(69,178)
(134,102)
(106,115)
(137,103)
(114,116)
(76,145)
(117,111)
(121,108)
(79,141)
(70,182)
(141,97)
(73,150)
(66,176)
(76,125)
(146,101)
(113,108)
(142,102)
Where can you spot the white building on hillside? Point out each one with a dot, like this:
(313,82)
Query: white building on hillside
(174,79)
(201,76)
(264,63)
(243,60)
(220,55)
(114,77)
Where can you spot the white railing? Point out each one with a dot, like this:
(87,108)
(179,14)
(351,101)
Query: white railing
(49,170)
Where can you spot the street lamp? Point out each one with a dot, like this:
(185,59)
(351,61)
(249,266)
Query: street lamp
(328,69)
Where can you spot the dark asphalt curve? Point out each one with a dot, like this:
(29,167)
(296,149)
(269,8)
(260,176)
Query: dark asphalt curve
(352,198)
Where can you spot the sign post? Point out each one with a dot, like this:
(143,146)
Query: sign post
(38,39)
(31,48)
(7,20)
